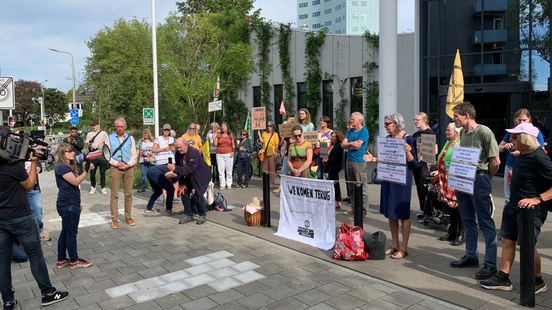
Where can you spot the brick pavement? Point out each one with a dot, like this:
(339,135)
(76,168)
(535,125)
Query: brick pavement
(160,255)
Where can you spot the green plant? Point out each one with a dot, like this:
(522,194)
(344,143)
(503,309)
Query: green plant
(313,73)
(283,48)
(264,34)
(371,87)
(340,113)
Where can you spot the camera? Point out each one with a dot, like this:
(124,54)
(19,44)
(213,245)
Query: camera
(20,146)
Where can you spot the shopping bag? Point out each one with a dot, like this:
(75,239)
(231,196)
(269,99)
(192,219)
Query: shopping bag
(349,244)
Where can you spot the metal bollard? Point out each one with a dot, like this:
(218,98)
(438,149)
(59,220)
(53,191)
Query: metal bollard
(358,208)
(266,199)
(527,257)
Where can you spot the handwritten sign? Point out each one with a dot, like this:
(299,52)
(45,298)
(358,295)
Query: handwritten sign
(285,130)
(468,155)
(311,136)
(258,118)
(324,150)
(392,173)
(391,151)
(426,148)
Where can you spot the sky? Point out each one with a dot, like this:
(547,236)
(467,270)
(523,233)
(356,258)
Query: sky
(31,27)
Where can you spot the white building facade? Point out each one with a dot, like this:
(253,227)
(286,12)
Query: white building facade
(339,16)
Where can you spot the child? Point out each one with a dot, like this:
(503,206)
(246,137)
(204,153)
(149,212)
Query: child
(68,206)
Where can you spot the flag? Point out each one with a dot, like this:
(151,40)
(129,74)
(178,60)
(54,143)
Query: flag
(282,108)
(455,94)
(206,153)
(217,89)
(247,125)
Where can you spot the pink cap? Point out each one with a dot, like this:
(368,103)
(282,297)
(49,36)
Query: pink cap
(527,128)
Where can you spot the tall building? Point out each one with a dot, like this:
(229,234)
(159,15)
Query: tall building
(502,70)
(339,16)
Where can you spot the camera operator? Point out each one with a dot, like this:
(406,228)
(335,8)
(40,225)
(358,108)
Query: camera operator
(77,142)
(17,221)
(95,140)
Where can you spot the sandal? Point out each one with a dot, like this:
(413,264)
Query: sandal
(400,254)
(391,251)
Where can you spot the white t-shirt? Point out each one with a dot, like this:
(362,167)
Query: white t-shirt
(162,158)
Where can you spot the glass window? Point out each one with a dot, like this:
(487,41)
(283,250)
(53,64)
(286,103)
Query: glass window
(278,99)
(328,11)
(354,3)
(338,7)
(337,20)
(315,14)
(303,4)
(301,95)
(363,3)
(256,96)
(316,26)
(303,16)
(316,2)
(328,23)
(356,95)
(327,100)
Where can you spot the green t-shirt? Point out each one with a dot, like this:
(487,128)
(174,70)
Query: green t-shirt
(483,138)
(298,154)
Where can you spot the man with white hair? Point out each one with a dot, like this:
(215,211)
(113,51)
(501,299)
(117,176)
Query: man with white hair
(355,142)
(124,157)
(531,186)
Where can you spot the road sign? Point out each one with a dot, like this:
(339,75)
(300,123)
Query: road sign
(74,121)
(147,114)
(215,106)
(51,121)
(74,113)
(7,93)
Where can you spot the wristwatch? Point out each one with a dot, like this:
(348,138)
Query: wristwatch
(539,198)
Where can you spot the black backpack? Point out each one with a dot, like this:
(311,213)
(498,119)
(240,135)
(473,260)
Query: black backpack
(220,203)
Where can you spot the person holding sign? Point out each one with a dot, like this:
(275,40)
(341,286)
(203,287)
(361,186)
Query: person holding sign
(421,121)
(395,197)
(324,138)
(531,187)
(300,154)
(355,142)
(476,209)
(270,141)
(334,164)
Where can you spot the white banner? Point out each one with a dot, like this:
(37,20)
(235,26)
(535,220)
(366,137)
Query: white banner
(392,173)
(462,185)
(307,211)
(391,151)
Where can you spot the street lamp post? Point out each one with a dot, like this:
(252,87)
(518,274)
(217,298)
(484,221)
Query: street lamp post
(154,56)
(42,121)
(73,71)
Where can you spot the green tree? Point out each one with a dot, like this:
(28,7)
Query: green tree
(25,108)
(538,14)
(55,103)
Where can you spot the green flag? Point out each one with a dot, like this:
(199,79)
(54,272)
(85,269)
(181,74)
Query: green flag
(247,125)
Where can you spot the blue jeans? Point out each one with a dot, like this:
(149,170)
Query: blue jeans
(35,202)
(507,170)
(67,242)
(476,211)
(25,230)
(144,175)
(285,167)
(158,182)
(320,171)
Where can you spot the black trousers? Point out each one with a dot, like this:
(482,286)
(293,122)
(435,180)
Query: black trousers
(244,169)
(101,163)
(421,189)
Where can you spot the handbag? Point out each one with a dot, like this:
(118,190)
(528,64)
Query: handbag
(374,244)
(262,153)
(349,244)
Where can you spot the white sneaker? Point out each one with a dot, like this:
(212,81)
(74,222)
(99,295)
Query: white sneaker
(104,191)
(92,191)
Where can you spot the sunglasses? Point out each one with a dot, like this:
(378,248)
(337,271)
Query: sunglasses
(297,136)
(244,134)
(269,125)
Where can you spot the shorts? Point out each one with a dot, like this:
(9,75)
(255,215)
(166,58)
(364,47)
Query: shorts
(510,217)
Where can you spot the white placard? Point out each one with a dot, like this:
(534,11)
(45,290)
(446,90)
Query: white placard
(462,170)
(391,151)
(7,93)
(215,106)
(459,184)
(426,148)
(392,173)
(469,155)
(307,211)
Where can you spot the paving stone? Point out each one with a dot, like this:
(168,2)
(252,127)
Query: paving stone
(379,304)
(245,266)
(256,301)
(121,290)
(334,289)
(345,302)
(85,300)
(198,269)
(367,293)
(316,267)
(199,292)
(173,301)
(220,254)
(100,285)
(270,269)
(280,292)
(116,303)
(199,280)
(148,294)
(200,304)
(222,273)
(248,277)
(321,306)
(312,297)
(226,296)
(174,276)
(127,278)
(152,272)
(221,263)
(175,287)
(149,283)
(402,299)
(224,284)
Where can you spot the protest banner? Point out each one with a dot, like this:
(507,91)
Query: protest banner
(258,118)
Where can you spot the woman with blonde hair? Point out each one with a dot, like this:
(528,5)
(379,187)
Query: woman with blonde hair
(305,120)
(68,206)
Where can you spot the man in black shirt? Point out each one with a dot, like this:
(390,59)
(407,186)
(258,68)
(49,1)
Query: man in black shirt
(17,221)
(421,121)
(531,186)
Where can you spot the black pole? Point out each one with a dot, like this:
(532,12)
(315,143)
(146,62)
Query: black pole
(358,206)
(266,199)
(527,257)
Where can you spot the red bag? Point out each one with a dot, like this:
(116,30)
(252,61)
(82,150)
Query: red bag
(349,244)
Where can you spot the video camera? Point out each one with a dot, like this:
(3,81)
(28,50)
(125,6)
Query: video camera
(20,146)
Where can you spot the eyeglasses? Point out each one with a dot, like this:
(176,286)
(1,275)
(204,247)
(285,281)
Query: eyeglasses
(191,128)
(244,134)
(68,151)
(166,129)
(269,125)
(388,123)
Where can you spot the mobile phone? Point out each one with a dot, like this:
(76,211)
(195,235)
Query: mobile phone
(170,160)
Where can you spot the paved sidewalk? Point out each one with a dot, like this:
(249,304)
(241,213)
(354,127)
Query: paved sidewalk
(159,264)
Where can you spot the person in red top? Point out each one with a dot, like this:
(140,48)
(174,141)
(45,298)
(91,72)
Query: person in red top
(224,141)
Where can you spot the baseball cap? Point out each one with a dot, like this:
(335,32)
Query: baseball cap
(527,128)
(167,127)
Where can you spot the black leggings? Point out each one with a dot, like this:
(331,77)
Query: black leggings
(103,165)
